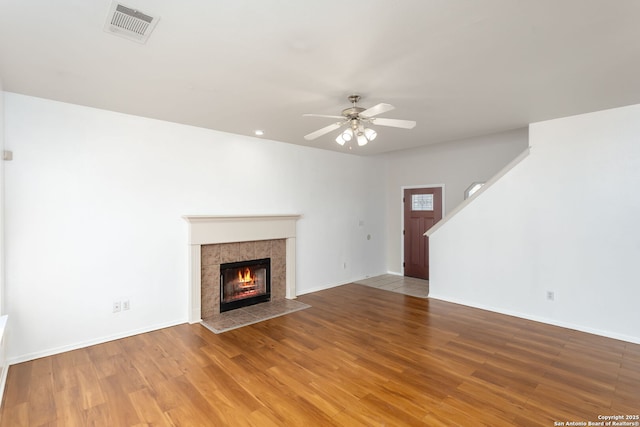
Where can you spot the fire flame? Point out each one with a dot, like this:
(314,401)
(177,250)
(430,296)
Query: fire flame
(246,277)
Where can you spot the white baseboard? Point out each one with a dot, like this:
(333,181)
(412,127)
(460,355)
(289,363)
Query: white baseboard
(554,322)
(321,288)
(4,364)
(3,381)
(88,343)
(332,285)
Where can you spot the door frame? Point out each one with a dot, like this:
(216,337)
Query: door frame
(411,187)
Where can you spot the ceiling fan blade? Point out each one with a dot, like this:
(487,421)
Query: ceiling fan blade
(377,109)
(324,130)
(323,115)
(405,124)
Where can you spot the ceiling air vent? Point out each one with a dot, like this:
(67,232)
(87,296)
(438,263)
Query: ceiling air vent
(129,23)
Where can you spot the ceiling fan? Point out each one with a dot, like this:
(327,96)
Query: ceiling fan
(357,117)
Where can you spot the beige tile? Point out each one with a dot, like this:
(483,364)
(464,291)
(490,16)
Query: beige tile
(279,248)
(262,249)
(210,290)
(278,279)
(399,284)
(246,251)
(229,252)
(209,255)
(207,305)
(233,319)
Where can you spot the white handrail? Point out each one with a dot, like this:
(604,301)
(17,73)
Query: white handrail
(484,188)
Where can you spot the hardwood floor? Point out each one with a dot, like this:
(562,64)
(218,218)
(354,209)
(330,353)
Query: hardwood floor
(358,356)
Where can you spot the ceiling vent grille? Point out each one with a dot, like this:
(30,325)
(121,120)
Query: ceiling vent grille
(129,23)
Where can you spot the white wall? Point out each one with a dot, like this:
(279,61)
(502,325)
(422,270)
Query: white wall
(94,201)
(2,308)
(3,318)
(455,164)
(564,220)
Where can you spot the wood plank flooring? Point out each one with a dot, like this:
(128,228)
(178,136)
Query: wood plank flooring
(359,356)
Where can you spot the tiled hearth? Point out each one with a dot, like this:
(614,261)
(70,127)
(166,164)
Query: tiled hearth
(252,314)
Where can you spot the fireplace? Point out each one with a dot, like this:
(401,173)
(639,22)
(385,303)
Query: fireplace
(244,283)
(214,240)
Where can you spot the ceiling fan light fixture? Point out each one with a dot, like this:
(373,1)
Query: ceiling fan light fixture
(357,117)
(370,134)
(344,137)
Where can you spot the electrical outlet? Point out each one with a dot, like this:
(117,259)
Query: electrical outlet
(125,305)
(116,306)
(551,296)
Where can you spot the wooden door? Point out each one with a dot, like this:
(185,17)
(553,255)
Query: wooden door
(422,209)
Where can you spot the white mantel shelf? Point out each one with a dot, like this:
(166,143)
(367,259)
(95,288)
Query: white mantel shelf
(212,229)
(207,230)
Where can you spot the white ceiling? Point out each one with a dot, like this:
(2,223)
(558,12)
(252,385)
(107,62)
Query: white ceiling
(459,68)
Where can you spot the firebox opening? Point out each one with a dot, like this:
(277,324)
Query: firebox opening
(244,283)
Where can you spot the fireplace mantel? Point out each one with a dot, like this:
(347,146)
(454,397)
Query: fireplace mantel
(207,230)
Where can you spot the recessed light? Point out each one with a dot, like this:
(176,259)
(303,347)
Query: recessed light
(258,132)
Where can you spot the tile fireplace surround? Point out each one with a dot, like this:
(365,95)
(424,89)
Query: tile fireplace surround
(222,230)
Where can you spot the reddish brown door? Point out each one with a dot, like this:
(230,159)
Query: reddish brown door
(422,209)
